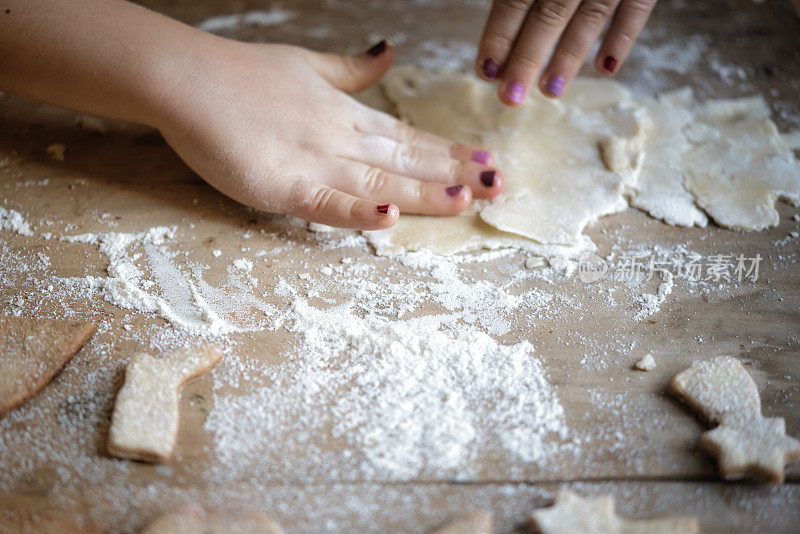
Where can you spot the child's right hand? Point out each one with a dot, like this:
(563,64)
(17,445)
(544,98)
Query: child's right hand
(272,127)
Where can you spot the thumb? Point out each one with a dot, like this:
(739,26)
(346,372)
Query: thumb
(355,73)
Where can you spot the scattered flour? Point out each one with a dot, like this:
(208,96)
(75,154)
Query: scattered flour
(651,303)
(227,23)
(13,220)
(127,287)
(413,399)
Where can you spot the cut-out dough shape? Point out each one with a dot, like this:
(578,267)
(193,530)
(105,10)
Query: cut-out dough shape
(32,352)
(193,519)
(144,425)
(745,443)
(476,522)
(573,513)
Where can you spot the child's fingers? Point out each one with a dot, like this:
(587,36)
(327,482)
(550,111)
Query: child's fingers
(408,194)
(503,25)
(628,22)
(421,164)
(578,39)
(385,125)
(321,204)
(354,73)
(542,29)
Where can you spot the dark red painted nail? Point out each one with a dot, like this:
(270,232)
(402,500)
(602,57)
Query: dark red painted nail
(454,190)
(487,178)
(490,68)
(610,63)
(377,49)
(383,209)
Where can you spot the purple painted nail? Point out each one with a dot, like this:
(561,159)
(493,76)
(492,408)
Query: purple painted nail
(377,49)
(481,156)
(555,86)
(491,68)
(454,190)
(516,92)
(487,178)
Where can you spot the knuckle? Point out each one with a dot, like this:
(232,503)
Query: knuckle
(499,41)
(527,60)
(374,180)
(641,8)
(406,157)
(515,5)
(551,13)
(571,55)
(596,12)
(454,171)
(320,199)
(418,190)
(298,197)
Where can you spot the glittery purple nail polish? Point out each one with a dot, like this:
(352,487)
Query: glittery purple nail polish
(555,86)
(516,92)
(454,190)
(490,68)
(481,156)
(487,178)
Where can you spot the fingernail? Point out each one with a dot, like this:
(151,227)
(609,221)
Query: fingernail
(383,209)
(610,63)
(487,178)
(481,156)
(490,68)
(555,86)
(377,49)
(516,92)
(454,190)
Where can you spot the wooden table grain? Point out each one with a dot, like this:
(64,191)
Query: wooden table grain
(656,470)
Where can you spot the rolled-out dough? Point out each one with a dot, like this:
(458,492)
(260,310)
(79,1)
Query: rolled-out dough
(594,152)
(32,352)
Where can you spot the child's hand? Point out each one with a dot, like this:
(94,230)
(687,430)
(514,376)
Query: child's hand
(272,127)
(521,34)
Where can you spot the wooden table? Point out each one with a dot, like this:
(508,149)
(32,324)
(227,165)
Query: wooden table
(588,350)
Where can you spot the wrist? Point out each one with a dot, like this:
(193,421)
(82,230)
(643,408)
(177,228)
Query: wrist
(173,77)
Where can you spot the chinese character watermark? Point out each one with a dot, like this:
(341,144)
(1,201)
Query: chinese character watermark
(692,267)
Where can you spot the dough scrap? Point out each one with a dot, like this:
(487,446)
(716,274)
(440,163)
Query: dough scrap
(593,152)
(745,442)
(144,425)
(459,233)
(646,363)
(660,189)
(740,164)
(475,522)
(193,519)
(572,513)
(32,352)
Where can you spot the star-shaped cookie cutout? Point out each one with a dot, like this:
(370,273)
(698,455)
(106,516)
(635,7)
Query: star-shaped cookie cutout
(745,443)
(758,448)
(573,513)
